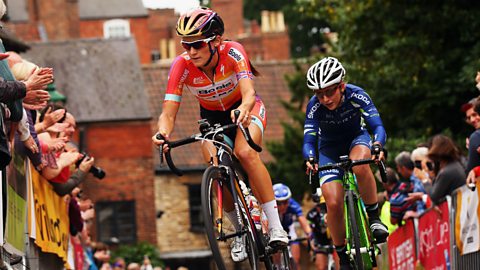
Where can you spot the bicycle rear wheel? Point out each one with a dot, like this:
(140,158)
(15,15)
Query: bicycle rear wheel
(281,260)
(220,231)
(354,238)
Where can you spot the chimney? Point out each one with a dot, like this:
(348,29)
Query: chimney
(231,12)
(265,21)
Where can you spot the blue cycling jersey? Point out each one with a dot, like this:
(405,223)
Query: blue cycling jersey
(294,210)
(342,125)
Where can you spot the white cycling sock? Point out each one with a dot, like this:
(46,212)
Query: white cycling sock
(232,216)
(271,211)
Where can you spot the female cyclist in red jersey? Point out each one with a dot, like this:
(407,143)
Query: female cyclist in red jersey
(219,74)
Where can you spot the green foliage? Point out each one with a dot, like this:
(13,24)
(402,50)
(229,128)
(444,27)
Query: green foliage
(417,59)
(289,168)
(136,253)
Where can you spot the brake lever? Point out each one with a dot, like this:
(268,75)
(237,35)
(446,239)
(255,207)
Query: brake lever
(160,149)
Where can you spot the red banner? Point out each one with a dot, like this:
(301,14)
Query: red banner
(434,238)
(401,247)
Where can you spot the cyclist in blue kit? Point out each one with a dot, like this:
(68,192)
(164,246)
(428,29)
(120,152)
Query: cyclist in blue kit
(338,120)
(290,211)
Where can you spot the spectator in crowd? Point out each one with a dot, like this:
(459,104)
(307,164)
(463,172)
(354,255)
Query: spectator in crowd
(420,159)
(133,266)
(398,191)
(290,211)
(101,254)
(405,166)
(67,180)
(119,264)
(392,179)
(474,139)
(146,265)
(445,163)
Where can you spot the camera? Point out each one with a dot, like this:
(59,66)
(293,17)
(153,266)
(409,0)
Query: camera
(96,171)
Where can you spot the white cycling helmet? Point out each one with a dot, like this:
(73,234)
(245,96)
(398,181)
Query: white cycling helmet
(281,192)
(326,72)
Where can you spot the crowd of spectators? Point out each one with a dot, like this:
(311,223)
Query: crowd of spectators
(433,170)
(40,130)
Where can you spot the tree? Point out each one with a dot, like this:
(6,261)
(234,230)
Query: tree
(288,167)
(417,59)
(137,252)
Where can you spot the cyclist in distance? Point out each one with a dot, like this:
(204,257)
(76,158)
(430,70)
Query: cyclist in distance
(317,219)
(219,74)
(335,126)
(290,211)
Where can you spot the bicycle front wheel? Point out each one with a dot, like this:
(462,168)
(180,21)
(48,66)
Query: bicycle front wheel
(218,228)
(353,244)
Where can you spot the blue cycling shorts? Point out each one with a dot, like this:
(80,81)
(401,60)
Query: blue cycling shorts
(330,152)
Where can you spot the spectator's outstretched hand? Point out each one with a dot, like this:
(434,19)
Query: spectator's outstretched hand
(472,179)
(39,79)
(4,56)
(50,118)
(31,145)
(36,97)
(414,196)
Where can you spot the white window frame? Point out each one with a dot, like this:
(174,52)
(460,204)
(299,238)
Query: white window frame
(114,28)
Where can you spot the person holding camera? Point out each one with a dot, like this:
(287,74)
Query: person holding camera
(67,180)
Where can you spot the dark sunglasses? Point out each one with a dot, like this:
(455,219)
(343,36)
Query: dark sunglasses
(430,166)
(328,92)
(418,164)
(197,44)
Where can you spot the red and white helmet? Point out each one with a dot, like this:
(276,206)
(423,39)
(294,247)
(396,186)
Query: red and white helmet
(200,22)
(326,72)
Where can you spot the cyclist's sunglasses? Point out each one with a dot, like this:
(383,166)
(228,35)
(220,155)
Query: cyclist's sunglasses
(328,92)
(282,202)
(197,44)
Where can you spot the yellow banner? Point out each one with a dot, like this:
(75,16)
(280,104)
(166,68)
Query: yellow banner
(51,218)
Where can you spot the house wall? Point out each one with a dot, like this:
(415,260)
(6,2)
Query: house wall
(124,152)
(138,28)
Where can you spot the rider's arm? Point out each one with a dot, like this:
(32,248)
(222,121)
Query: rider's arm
(173,95)
(371,116)
(305,226)
(310,130)
(166,120)
(239,59)
(248,96)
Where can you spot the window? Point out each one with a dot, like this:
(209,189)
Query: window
(116,28)
(116,219)
(195,205)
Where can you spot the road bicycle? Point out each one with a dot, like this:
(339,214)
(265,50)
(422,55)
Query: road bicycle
(360,244)
(221,186)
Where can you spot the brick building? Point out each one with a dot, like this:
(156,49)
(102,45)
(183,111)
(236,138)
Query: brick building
(113,125)
(152,29)
(96,48)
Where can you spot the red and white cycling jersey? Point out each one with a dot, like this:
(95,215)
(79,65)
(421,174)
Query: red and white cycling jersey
(223,92)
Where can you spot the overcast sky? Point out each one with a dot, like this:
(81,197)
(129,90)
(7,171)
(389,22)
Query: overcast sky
(179,5)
